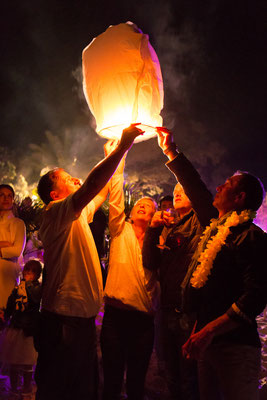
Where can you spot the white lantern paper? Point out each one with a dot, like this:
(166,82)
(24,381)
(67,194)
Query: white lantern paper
(123,81)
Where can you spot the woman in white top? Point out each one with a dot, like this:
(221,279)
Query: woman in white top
(130,293)
(12,243)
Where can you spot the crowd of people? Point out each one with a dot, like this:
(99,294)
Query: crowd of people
(188,277)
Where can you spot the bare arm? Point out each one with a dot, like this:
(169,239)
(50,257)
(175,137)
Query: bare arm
(16,248)
(116,195)
(4,243)
(102,172)
(195,189)
(99,199)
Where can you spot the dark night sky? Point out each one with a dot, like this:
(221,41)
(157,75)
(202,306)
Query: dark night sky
(212,59)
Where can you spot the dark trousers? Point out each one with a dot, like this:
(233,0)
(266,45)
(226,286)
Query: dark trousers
(126,342)
(181,373)
(67,367)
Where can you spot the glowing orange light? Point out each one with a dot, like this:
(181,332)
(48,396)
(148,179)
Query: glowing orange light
(123,81)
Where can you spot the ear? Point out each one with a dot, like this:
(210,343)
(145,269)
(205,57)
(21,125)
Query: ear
(54,195)
(240,199)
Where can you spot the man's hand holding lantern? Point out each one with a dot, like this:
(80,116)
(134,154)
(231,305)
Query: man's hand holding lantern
(128,136)
(166,143)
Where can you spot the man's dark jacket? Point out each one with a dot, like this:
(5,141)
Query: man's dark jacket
(182,238)
(237,284)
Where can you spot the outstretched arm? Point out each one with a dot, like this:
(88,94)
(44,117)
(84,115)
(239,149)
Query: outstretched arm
(166,143)
(116,199)
(103,171)
(99,199)
(195,189)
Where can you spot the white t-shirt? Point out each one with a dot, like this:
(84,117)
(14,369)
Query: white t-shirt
(73,281)
(127,280)
(11,230)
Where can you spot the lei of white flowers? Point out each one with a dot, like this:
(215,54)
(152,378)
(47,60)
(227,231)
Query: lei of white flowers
(214,245)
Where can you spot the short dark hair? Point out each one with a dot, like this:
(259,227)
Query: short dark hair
(35,266)
(46,185)
(253,188)
(5,186)
(165,198)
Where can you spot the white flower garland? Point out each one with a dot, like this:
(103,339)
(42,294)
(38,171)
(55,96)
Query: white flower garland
(214,245)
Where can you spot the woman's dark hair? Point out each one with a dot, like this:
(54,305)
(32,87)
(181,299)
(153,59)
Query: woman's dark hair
(5,186)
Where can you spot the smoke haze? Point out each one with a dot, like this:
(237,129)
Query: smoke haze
(210,53)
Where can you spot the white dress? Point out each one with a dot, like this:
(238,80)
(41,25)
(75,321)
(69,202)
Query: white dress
(13,230)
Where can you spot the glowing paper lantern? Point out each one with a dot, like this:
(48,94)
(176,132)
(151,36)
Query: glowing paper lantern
(123,81)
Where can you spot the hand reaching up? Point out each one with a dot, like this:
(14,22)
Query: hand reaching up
(128,136)
(165,141)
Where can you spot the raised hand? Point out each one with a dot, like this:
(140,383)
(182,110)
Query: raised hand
(165,138)
(128,136)
(161,218)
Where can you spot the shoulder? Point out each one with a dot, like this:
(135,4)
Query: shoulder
(250,231)
(189,222)
(56,208)
(128,226)
(249,238)
(18,222)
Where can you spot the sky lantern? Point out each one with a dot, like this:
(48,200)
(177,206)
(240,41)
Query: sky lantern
(122,81)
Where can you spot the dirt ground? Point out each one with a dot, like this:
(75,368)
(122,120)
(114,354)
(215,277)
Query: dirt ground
(156,387)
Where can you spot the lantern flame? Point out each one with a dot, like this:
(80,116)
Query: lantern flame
(123,81)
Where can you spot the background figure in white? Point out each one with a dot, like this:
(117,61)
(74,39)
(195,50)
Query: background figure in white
(12,242)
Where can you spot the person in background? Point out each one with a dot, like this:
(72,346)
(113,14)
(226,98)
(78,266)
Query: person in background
(130,297)
(12,243)
(67,365)
(33,247)
(17,352)
(165,203)
(98,227)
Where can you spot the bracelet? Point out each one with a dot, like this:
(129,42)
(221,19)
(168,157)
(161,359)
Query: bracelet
(171,147)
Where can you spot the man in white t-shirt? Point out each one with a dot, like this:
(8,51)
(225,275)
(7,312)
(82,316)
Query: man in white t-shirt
(72,291)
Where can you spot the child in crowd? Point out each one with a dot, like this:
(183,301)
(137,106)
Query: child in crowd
(17,352)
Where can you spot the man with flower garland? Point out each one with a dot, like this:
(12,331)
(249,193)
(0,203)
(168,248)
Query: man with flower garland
(226,285)
(72,285)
